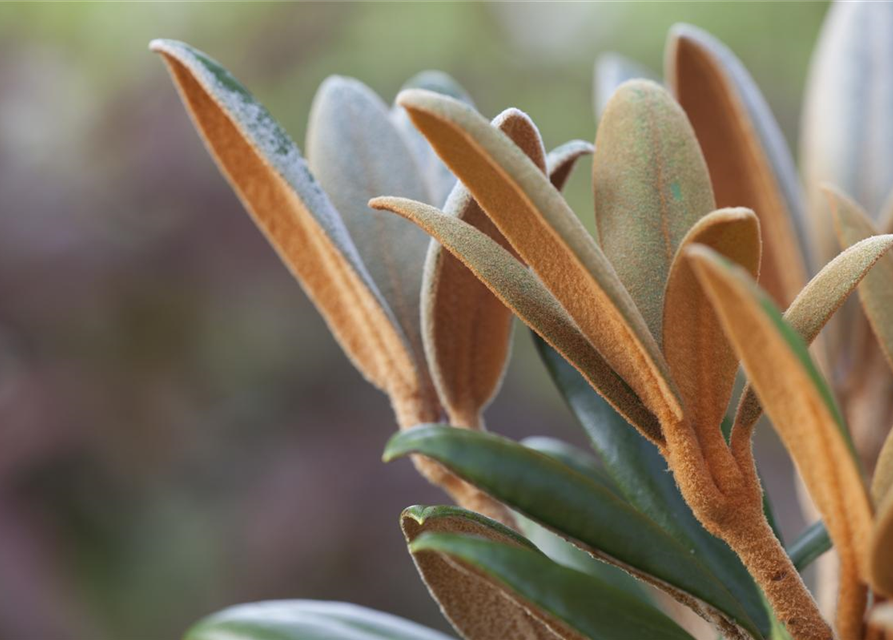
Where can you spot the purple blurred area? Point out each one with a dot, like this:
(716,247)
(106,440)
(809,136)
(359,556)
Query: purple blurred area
(178,430)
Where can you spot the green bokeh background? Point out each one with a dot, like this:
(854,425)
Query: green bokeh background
(178,432)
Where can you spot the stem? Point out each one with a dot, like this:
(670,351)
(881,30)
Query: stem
(753,540)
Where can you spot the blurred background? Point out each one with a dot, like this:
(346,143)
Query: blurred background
(178,431)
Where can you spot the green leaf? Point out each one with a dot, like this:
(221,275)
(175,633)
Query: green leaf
(573,458)
(651,185)
(587,605)
(356,153)
(586,513)
(611,71)
(307,620)
(809,545)
(640,473)
(847,133)
(478,607)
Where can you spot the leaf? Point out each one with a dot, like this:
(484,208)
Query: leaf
(702,362)
(749,161)
(559,549)
(477,606)
(267,172)
(356,153)
(810,546)
(546,234)
(814,306)
(875,291)
(584,512)
(589,607)
(640,473)
(438,178)
(466,330)
(523,293)
(562,159)
(880,553)
(307,620)
(882,481)
(573,458)
(803,412)
(651,185)
(611,71)
(847,135)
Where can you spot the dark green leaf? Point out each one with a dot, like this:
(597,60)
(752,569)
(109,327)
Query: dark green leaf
(584,603)
(578,508)
(641,475)
(811,544)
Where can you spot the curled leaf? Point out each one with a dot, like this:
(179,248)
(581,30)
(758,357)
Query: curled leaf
(520,290)
(875,291)
(562,159)
(806,417)
(476,606)
(267,172)
(651,185)
(466,330)
(749,161)
(815,305)
(847,134)
(579,605)
(701,360)
(536,220)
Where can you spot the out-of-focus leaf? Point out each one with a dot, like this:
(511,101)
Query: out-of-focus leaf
(801,408)
(702,362)
(307,620)
(875,291)
(815,305)
(588,607)
(749,161)
(439,180)
(563,158)
(847,132)
(810,545)
(466,330)
(882,481)
(585,512)
(640,473)
(651,185)
(356,153)
(880,553)
(547,235)
(611,71)
(477,606)
(267,172)
(523,293)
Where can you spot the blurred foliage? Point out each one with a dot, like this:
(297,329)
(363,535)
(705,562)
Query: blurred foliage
(178,430)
